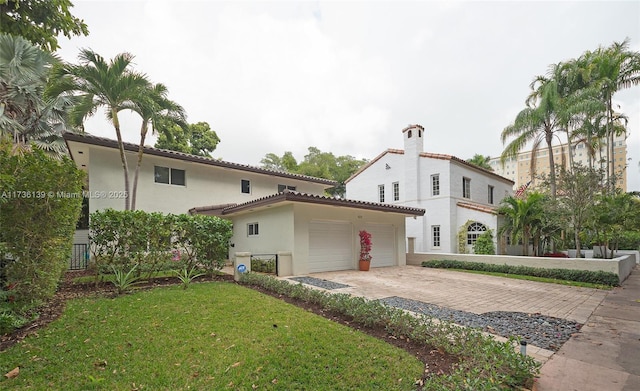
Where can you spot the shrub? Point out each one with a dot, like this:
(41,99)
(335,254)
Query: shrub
(155,242)
(595,277)
(38,220)
(484,244)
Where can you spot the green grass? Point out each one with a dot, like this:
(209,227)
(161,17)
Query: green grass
(212,336)
(539,279)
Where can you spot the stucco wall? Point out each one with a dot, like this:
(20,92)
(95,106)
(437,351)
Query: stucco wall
(621,266)
(205,184)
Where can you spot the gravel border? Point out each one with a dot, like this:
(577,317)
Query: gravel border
(329,285)
(539,330)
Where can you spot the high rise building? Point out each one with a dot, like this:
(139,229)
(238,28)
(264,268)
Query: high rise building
(518,169)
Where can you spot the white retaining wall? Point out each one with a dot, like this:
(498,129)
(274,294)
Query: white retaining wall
(622,265)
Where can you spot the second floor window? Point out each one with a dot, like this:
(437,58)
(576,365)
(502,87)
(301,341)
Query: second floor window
(490,195)
(466,187)
(435,185)
(396,191)
(245,186)
(171,176)
(381,193)
(282,187)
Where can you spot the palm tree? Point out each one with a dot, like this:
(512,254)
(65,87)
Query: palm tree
(481,161)
(538,122)
(25,116)
(155,109)
(100,83)
(615,68)
(522,217)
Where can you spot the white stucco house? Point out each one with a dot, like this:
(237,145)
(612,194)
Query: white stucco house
(455,194)
(272,212)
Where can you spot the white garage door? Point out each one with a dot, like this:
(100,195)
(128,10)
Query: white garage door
(383,248)
(330,246)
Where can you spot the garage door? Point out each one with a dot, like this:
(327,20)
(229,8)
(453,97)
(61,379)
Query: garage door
(383,249)
(330,246)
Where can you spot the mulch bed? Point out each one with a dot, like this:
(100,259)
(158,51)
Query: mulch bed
(436,361)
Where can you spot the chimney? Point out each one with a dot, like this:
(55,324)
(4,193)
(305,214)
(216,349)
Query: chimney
(413,146)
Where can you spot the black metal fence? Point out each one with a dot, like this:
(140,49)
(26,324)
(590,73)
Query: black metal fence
(79,257)
(264,263)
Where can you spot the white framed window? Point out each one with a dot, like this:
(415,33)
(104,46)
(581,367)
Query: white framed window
(396,191)
(474,230)
(435,235)
(252,229)
(170,176)
(435,184)
(281,188)
(245,186)
(490,194)
(381,193)
(466,187)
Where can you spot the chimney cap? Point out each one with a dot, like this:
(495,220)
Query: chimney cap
(416,126)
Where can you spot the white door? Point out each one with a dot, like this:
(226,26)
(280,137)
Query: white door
(330,246)
(383,244)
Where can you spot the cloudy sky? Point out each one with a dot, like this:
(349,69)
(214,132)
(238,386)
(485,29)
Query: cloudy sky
(347,77)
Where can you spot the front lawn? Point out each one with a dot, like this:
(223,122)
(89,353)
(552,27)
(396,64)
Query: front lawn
(211,336)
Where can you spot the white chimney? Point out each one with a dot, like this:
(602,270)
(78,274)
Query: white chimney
(413,146)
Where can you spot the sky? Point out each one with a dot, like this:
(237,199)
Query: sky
(348,76)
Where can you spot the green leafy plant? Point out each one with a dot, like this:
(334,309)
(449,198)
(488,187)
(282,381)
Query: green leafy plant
(595,277)
(484,244)
(186,276)
(38,219)
(124,281)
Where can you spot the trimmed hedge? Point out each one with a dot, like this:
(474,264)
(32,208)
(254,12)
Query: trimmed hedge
(594,277)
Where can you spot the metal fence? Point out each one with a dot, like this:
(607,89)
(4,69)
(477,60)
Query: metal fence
(79,257)
(264,263)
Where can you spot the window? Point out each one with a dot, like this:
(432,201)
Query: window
(473,231)
(245,186)
(466,187)
(252,229)
(168,175)
(435,235)
(435,184)
(281,188)
(381,193)
(490,194)
(396,191)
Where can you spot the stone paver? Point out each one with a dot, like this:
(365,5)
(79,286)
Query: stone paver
(469,292)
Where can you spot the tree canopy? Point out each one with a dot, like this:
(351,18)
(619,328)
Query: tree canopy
(317,164)
(196,139)
(40,21)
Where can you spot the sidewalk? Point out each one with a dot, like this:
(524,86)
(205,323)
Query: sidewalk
(605,355)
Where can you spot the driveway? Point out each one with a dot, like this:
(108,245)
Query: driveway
(474,293)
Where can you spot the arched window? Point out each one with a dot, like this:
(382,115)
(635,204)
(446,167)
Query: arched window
(409,134)
(474,230)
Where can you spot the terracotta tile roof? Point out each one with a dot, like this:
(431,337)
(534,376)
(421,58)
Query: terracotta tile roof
(106,142)
(478,207)
(432,156)
(294,196)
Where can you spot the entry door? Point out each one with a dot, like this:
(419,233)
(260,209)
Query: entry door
(330,246)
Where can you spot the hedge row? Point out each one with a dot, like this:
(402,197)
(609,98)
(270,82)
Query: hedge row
(154,241)
(595,277)
(485,364)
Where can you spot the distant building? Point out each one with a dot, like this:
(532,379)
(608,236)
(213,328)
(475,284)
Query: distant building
(519,169)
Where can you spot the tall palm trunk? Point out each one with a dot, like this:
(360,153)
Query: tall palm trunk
(123,157)
(143,136)
(552,165)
